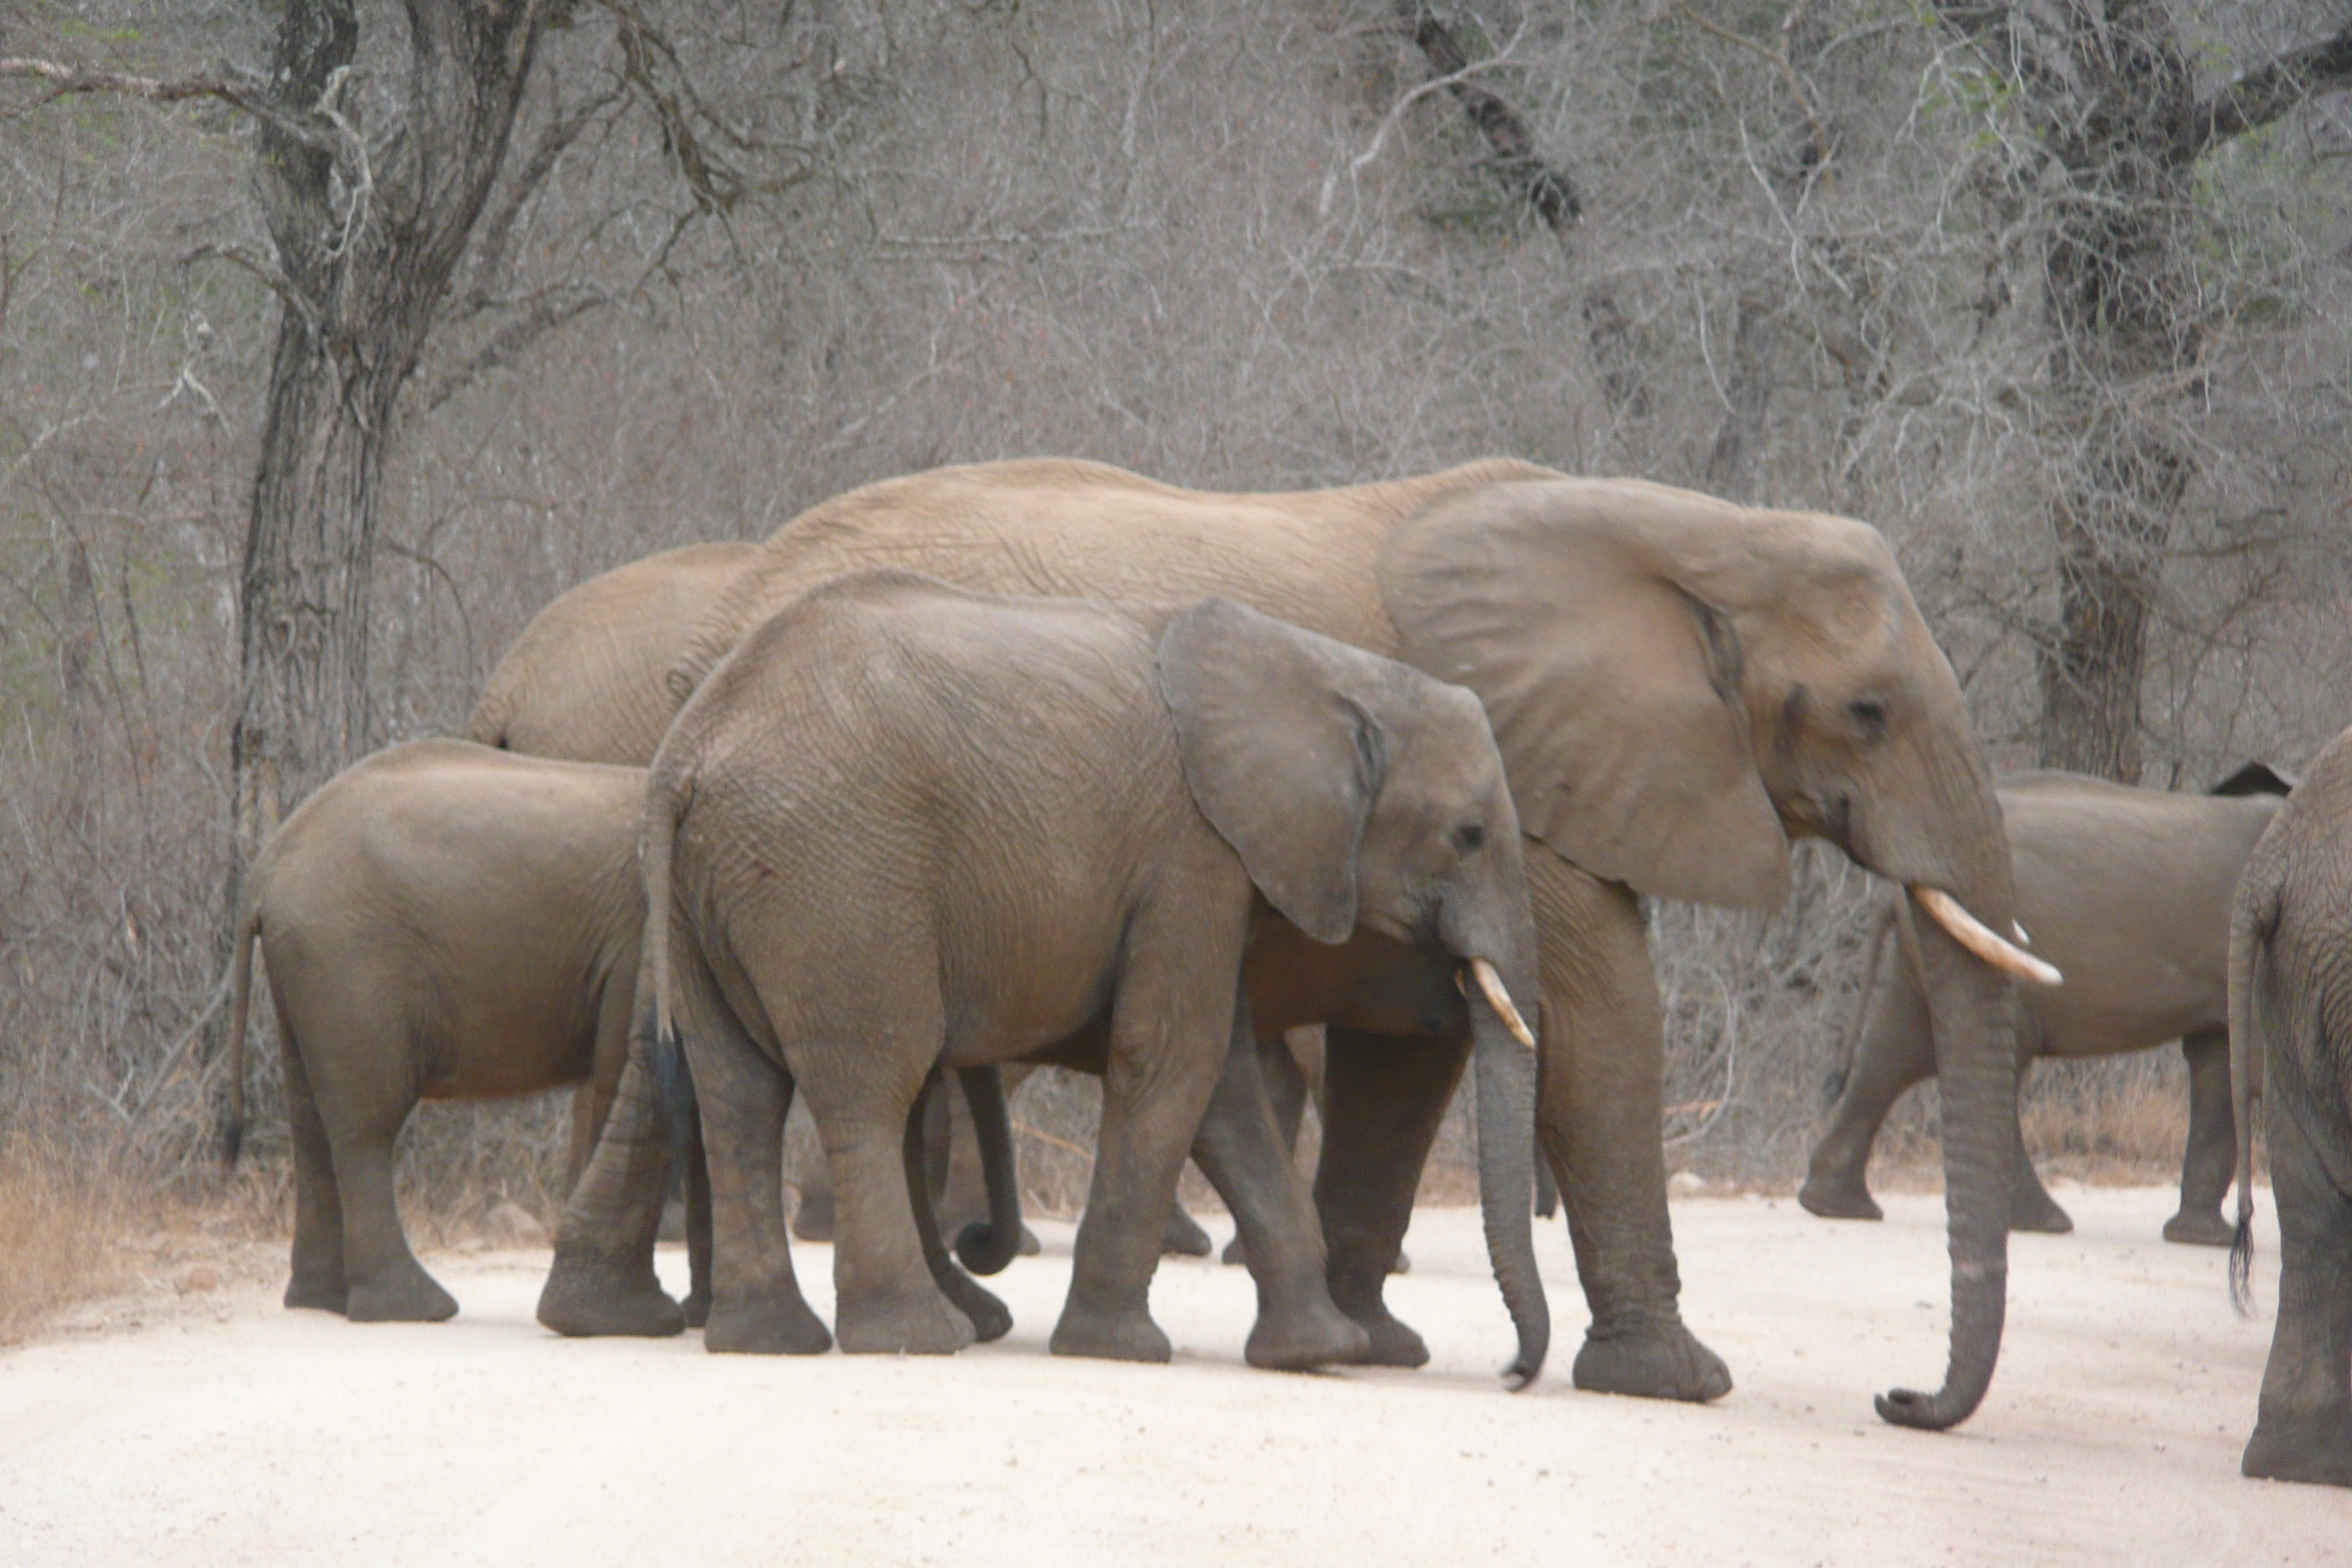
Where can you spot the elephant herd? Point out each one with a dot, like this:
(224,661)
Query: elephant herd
(1043,761)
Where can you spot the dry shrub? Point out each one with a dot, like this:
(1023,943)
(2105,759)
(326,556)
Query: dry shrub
(60,1226)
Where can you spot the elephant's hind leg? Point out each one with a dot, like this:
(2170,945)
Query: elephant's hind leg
(756,1305)
(2212,1149)
(991,1318)
(1894,1050)
(2303,1428)
(387,1284)
(2031,1207)
(1384,1097)
(318,1274)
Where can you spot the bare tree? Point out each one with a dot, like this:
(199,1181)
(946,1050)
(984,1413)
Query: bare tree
(2112,127)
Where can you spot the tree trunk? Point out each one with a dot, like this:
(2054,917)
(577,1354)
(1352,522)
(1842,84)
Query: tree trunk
(367,236)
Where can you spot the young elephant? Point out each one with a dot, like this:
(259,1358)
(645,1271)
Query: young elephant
(2291,1029)
(905,825)
(440,922)
(2128,892)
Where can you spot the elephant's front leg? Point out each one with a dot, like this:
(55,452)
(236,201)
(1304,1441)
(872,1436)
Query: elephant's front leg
(1894,1048)
(1171,1024)
(1601,1121)
(2213,1149)
(1240,1147)
(1384,1097)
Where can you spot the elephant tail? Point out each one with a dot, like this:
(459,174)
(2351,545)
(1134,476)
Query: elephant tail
(2250,923)
(986,1246)
(666,803)
(240,1008)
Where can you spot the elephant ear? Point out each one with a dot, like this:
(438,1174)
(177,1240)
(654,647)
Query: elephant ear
(1281,758)
(1579,612)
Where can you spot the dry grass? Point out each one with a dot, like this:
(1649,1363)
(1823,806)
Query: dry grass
(60,1230)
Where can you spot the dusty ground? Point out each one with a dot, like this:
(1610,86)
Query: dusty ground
(215,1427)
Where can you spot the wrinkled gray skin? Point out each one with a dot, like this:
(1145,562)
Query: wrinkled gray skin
(1679,687)
(2127,892)
(440,921)
(2291,1032)
(905,825)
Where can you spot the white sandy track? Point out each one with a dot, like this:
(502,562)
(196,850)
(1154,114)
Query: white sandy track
(234,1432)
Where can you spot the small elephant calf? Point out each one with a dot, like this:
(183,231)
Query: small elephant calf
(440,922)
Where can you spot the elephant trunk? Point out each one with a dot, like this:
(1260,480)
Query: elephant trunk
(1976,1062)
(1506,1135)
(1497,981)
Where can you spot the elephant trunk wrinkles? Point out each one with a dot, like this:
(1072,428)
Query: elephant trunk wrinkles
(1971,1005)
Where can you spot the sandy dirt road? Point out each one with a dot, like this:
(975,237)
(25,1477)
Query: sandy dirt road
(226,1430)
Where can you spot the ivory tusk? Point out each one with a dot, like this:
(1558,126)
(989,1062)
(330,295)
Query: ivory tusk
(1499,997)
(2023,939)
(1972,934)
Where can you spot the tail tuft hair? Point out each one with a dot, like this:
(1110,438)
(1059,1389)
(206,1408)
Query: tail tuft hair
(2241,1266)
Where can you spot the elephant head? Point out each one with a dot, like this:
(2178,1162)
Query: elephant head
(1679,687)
(1359,792)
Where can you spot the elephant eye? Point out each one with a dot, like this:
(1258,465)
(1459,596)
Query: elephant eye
(1468,836)
(1868,712)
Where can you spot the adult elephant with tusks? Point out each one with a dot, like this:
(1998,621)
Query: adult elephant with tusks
(1679,687)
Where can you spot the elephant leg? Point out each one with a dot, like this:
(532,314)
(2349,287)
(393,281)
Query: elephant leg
(1286,1094)
(814,1219)
(603,1281)
(756,1305)
(1384,1098)
(1168,1037)
(2212,1149)
(1894,1049)
(1601,1124)
(318,1274)
(587,1115)
(696,1305)
(2031,1207)
(1181,1236)
(386,1284)
(2302,1428)
(990,1320)
(1240,1150)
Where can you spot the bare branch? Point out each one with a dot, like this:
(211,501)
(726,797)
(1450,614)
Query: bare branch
(498,230)
(307,127)
(1545,188)
(2275,90)
(546,313)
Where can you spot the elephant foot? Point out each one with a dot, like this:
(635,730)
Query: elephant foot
(400,1295)
(2317,1451)
(2033,1209)
(991,1320)
(583,1301)
(812,1221)
(1109,1336)
(1838,1199)
(1394,1344)
(1182,1235)
(1030,1246)
(1236,1253)
(2198,1229)
(696,1309)
(317,1295)
(915,1323)
(765,1327)
(1402,1263)
(1651,1361)
(1313,1334)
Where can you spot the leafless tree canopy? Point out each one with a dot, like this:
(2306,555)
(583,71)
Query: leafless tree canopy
(335,340)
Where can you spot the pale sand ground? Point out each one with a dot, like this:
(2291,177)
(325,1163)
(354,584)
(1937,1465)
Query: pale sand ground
(222,1430)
